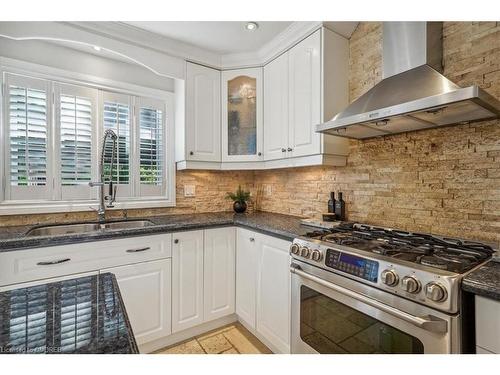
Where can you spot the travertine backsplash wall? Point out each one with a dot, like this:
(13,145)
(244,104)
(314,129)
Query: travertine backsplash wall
(444,181)
(211,189)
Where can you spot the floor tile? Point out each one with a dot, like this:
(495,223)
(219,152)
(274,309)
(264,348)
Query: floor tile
(215,332)
(230,351)
(215,344)
(245,342)
(188,347)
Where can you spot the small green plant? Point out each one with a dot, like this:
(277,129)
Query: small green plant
(240,195)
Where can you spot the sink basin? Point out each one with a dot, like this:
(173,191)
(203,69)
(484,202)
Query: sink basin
(55,230)
(128,224)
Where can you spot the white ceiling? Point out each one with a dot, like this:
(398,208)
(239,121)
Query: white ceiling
(224,37)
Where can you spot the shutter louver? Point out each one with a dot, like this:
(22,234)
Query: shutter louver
(151,146)
(116,116)
(76,140)
(28,136)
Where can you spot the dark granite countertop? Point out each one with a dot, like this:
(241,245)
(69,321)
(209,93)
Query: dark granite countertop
(283,226)
(485,281)
(82,315)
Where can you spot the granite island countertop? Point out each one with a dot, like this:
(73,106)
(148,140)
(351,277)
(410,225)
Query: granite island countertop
(485,281)
(284,226)
(82,315)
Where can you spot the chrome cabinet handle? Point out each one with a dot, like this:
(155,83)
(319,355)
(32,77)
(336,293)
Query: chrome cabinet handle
(138,250)
(283,150)
(49,263)
(176,241)
(428,322)
(289,149)
(252,239)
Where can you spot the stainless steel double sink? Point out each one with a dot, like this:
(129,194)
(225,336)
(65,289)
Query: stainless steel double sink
(55,230)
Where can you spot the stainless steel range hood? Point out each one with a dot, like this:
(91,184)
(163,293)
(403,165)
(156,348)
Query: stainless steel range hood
(413,94)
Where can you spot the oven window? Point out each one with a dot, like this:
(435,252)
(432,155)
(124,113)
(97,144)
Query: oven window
(331,327)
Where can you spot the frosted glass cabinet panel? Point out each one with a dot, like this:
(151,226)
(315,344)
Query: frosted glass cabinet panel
(242,115)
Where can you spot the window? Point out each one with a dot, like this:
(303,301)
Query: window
(53,138)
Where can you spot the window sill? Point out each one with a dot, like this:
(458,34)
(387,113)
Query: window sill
(37,207)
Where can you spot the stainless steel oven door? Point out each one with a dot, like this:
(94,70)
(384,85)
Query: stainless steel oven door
(334,314)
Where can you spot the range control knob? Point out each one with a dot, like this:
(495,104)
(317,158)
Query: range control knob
(294,248)
(389,277)
(435,292)
(411,284)
(305,252)
(316,255)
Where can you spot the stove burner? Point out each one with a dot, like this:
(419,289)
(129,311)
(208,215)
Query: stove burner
(435,262)
(439,252)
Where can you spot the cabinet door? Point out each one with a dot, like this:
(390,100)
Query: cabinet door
(276,108)
(488,324)
(273,293)
(146,292)
(219,272)
(242,115)
(305,96)
(187,280)
(202,113)
(246,275)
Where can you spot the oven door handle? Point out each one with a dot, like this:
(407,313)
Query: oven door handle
(429,322)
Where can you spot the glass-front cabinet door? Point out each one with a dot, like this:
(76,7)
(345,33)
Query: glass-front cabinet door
(242,115)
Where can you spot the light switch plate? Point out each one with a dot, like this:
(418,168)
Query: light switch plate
(268,190)
(189,191)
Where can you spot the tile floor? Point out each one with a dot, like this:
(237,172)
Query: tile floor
(230,339)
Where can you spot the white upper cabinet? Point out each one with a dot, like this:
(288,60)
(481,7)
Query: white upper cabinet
(219,272)
(203,126)
(304,87)
(187,280)
(276,108)
(304,93)
(242,111)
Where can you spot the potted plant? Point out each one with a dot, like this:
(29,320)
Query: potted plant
(240,199)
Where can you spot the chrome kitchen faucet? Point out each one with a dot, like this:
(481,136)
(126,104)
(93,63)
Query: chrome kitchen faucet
(106,201)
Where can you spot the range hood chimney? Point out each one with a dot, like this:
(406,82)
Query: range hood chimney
(413,94)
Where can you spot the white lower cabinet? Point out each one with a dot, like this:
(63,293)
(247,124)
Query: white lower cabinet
(146,291)
(273,292)
(219,272)
(246,276)
(487,325)
(263,287)
(187,280)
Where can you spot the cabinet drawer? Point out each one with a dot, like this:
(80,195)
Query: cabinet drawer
(35,264)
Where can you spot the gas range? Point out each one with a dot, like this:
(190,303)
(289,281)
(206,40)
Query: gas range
(420,267)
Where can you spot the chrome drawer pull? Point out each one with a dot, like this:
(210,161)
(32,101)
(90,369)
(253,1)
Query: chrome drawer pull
(429,323)
(138,250)
(59,261)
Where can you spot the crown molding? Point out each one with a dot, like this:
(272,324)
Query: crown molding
(275,47)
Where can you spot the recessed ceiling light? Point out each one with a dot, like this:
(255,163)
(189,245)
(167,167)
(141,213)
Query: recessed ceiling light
(97,48)
(252,26)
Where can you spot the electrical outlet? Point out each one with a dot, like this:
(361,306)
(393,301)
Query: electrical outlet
(189,191)
(268,190)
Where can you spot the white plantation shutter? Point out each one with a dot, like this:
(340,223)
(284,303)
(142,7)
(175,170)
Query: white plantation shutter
(28,116)
(77,128)
(151,146)
(116,115)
